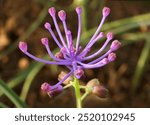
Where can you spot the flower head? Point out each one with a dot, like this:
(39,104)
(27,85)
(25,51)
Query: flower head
(71,54)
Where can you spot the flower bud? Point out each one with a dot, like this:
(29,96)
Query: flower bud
(62,75)
(79,73)
(23,46)
(79,10)
(115,45)
(93,82)
(101,34)
(59,55)
(47,25)
(63,50)
(111,57)
(106,11)
(52,11)
(100,91)
(44,41)
(62,15)
(45,87)
(110,35)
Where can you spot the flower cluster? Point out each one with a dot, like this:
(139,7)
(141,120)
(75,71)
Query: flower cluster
(71,54)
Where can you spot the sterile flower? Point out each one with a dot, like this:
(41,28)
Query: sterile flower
(71,54)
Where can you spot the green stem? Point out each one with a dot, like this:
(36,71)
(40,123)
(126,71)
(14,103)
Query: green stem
(29,80)
(67,86)
(141,65)
(84,19)
(77,93)
(12,95)
(82,87)
(84,95)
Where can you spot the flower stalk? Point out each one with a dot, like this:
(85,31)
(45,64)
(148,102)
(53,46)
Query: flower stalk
(77,93)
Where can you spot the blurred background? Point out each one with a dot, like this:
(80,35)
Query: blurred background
(127,79)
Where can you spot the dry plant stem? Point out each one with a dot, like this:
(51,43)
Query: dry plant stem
(77,93)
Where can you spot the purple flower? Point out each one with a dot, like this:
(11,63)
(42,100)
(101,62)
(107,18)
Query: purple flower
(51,91)
(71,54)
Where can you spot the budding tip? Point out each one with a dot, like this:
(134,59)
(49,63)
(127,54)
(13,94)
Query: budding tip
(112,57)
(45,87)
(115,45)
(106,11)
(110,35)
(44,41)
(47,25)
(52,11)
(101,34)
(23,46)
(79,10)
(62,15)
(63,50)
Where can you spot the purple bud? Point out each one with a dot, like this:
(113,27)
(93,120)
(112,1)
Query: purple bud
(52,11)
(45,87)
(100,91)
(23,46)
(47,25)
(111,57)
(101,34)
(59,55)
(63,50)
(106,11)
(55,91)
(44,41)
(79,73)
(110,35)
(104,61)
(62,15)
(115,45)
(79,10)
